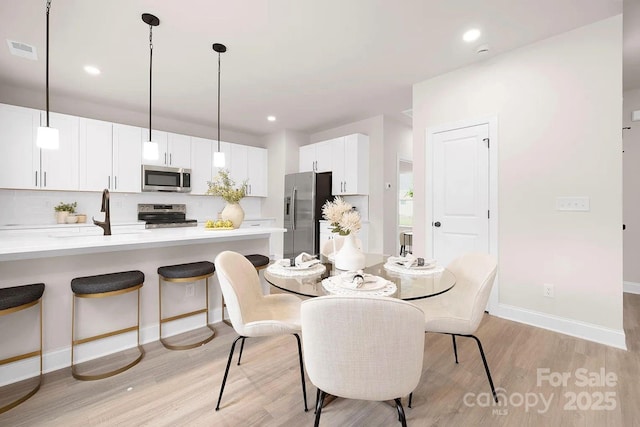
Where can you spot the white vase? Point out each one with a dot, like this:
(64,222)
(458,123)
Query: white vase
(349,257)
(234,213)
(61,216)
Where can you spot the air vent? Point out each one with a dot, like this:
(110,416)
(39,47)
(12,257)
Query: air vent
(408,112)
(22,50)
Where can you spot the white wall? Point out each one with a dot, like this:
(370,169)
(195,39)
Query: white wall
(631,179)
(559,107)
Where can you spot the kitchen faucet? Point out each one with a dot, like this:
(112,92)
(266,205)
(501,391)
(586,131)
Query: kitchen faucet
(106,224)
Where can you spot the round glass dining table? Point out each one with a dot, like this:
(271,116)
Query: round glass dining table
(409,287)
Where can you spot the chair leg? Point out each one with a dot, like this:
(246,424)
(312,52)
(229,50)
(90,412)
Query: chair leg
(226,371)
(486,367)
(317,399)
(241,348)
(400,410)
(304,387)
(455,348)
(319,403)
(410,399)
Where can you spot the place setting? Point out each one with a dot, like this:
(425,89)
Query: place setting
(411,265)
(358,283)
(302,265)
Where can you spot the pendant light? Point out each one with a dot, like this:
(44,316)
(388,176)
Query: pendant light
(218,156)
(47,137)
(150,149)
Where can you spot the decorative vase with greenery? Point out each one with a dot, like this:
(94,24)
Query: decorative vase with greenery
(63,210)
(224,186)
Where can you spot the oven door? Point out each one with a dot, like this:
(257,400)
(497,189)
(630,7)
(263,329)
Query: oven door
(159,178)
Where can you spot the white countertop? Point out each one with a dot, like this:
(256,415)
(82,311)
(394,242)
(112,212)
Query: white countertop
(30,245)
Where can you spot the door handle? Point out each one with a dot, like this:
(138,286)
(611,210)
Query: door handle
(437,224)
(293,208)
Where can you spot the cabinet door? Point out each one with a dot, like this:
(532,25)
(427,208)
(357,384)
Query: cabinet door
(95,155)
(324,156)
(60,167)
(356,164)
(127,158)
(238,163)
(19,157)
(179,151)
(201,164)
(225,147)
(307,158)
(257,171)
(160,138)
(338,166)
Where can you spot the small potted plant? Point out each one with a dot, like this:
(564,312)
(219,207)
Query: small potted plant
(224,186)
(63,210)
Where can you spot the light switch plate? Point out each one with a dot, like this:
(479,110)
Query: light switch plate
(577,204)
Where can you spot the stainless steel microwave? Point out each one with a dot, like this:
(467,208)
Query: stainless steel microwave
(161,178)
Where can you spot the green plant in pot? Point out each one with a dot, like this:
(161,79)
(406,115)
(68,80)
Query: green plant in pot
(224,186)
(63,210)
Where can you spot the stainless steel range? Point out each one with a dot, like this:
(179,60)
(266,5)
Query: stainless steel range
(163,216)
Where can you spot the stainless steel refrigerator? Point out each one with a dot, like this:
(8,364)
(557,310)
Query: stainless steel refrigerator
(304,195)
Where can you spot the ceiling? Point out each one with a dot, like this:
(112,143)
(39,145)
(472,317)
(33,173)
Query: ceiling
(314,64)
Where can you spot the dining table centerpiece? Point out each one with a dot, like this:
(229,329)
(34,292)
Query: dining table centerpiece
(345,221)
(224,186)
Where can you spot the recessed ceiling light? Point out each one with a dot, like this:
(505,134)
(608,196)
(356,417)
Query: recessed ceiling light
(90,69)
(271,118)
(471,35)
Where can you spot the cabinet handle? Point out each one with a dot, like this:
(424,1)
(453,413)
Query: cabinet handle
(345,186)
(115,182)
(170,159)
(45,178)
(165,158)
(109,181)
(36,178)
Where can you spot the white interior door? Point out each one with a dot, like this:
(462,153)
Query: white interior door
(460,192)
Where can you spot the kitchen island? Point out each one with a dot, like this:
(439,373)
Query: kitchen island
(56,257)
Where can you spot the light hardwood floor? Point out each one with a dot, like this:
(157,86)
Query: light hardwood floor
(180,388)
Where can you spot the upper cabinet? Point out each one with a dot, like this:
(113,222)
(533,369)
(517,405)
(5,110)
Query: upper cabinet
(347,157)
(249,164)
(23,164)
(109,156)
(174,149)
(316,157)
(350,165)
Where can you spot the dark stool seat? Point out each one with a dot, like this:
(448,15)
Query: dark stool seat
(20,295)
(185,273)
(182,271)
(103,283)
(103,286)
(14,299)
(259,262)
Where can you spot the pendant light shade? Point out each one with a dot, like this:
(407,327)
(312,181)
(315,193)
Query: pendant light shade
(47,138)
(218,156)
(150,150)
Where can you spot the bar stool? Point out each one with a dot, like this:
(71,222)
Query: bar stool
(103,286)
(259,262)
(14,299)
(183,273)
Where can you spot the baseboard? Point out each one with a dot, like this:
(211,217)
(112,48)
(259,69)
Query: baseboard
(631,287)
(61,358)
(574,328)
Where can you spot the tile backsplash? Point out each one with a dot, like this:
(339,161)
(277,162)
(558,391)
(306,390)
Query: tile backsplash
(33,207)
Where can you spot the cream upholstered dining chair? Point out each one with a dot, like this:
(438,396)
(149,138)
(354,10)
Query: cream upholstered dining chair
(362,347)
(253,314)
(459,311)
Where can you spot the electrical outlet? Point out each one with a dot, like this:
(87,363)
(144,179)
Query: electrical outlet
(548,290)
(190,290)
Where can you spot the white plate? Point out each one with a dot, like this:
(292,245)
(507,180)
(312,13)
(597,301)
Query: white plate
(373,284)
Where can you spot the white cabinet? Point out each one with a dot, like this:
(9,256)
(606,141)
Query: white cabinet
(110,156)
(59,168)
(316,157)
(202,169)
(18,152)
(249,164)
(174,149)
(350,165)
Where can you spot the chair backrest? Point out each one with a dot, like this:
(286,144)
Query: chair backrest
(475,273)
(240,287)
(362,347)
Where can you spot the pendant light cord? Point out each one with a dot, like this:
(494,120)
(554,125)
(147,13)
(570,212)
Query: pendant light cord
(150,73)
(218,101)
(47,61)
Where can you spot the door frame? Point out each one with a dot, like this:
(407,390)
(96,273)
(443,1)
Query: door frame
(400,158)
(492,122)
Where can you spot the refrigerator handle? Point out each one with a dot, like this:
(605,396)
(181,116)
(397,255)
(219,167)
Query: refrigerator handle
(293,208)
